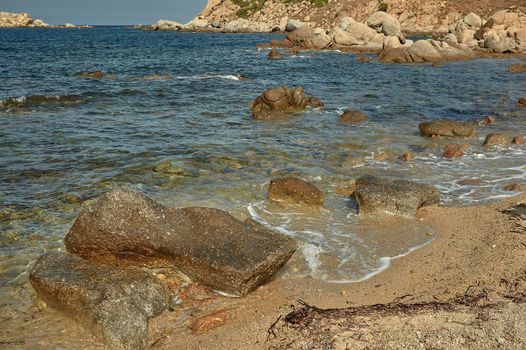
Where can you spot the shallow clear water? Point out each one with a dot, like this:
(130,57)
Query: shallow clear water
(179,97)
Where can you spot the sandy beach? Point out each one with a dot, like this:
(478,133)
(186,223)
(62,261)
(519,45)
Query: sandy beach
(473,268)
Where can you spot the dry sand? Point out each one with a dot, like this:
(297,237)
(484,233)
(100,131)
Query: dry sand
(464,290)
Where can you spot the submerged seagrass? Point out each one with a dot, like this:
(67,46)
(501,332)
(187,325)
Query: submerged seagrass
(209,245)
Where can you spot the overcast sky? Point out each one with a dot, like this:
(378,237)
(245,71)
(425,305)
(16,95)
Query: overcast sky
(106,11)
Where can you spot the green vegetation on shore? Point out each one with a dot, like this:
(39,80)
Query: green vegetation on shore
(249,7)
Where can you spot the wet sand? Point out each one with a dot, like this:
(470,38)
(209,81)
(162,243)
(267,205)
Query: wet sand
(476,250)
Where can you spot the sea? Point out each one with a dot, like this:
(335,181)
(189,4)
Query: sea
(185,98)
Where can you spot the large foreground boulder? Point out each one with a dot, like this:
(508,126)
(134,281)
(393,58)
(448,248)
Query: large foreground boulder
(278,103)
(446,127)
(291,190)
(398,197)
(114,304)
(209,245)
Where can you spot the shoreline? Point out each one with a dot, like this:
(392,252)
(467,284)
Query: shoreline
(474,246)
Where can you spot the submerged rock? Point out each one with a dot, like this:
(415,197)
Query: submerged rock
(453,150)
(166,167)
(292,190)
(399,197)
(275,55)
(408,156)
(497,139)
(114,304)
(277,103)
(352,117)
(92,74)
(446,128)
(518,68)
(209,245)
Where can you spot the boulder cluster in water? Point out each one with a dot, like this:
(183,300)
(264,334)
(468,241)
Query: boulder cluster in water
(504,32)
(101,281)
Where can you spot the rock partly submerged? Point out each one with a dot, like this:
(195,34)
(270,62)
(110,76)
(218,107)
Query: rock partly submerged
(447,127)
(497,139)
(115,304)
(292,190)
(278,103)
(399,197)
(209,245)
(352,116)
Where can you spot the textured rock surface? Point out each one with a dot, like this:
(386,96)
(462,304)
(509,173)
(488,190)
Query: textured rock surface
(10,19)
(399,197)
(209,245)
(295,191)
(497,139)
(518,68)
(414,15)
(426,51)
(278,103)
(446,128)
(114,304)
(353,117)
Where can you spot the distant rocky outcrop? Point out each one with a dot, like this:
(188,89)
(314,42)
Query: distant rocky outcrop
(414,16)
(24,20)
(13,20)
(504,32)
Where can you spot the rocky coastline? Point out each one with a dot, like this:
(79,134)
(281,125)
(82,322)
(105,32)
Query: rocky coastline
(383,32)
(435,17)
(24,20)
(129,263)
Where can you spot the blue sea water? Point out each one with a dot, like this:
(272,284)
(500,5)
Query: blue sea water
(185,98)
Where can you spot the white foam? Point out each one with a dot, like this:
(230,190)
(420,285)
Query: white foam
(208,76)
(311,253)
(385,262)
(225,294)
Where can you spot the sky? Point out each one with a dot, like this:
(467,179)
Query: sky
(106,11)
